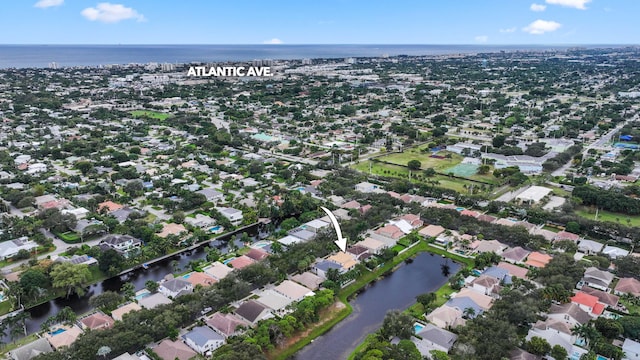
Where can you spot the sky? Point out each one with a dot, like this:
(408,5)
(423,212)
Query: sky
(497,22)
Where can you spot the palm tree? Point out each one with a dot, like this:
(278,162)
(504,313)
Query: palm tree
(469,313)
(587,332)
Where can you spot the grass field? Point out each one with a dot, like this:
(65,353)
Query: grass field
(603,215)
(402,172)
(424,158)
(443,166)
(150,114)
(68,237)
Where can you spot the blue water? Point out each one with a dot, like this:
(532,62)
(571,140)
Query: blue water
(186,276)
(417,328)
(58,331)
(21,56)
(215,228)
(459,208)
(600,357)
(142,294)
(228,260)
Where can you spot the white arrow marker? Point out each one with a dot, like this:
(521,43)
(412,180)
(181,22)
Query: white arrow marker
(341,242)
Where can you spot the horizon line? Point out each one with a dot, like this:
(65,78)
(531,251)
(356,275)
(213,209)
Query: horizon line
(325,44)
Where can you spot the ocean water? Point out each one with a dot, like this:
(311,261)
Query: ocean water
(38,56)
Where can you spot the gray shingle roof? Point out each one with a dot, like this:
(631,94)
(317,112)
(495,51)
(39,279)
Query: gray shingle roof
(201,335)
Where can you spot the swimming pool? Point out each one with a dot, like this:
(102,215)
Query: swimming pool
(417,327)
(215,228)
(142,294)
(186,276)
(58,331)
(459,208)
(229,260)
(600,357)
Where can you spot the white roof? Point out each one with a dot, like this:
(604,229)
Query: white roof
(317,224)
(273,300)
(534,193)
(288,240)
(403,225)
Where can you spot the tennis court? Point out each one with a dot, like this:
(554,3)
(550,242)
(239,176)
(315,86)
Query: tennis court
(463,170)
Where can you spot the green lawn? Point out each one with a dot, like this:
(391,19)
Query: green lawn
(5,307)
(424,158)
(150,114)
(603,215)
(68,237)
(397,171)
(13,345)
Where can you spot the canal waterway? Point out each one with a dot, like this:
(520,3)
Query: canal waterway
(427,273)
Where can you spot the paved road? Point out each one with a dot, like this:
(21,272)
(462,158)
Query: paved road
(60,245)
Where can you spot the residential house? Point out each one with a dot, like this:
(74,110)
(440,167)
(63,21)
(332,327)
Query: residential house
(198,278)
(514,270)
(203,340)
(372,245)
(604,297)
(628,286)
(322,267)
(515,255)
(31,350)
(596,278)
(588,303)
(308,280)
(226,324)
(118,313)
(519,354)
(367,187)
(358,252)
(252,311)
(218,270)
(172,229)
(109,206)
(11,248)
(590,247)
(127,356)
(154,300)
(200,221)
(484,301)
(97,321)
(486,285)
(631,349)
(175,287)
(413,220)
(302,234)
(315,225)
(431,231)
(565,235)
(434,338)
(388,234)
(570,313)
(292,290)
(614,252)
(275,301)
(172,350)
(538,260)
(465,305)
(345,260)
(446,317)
(483,246)
(556,332)
(233,215)
(241,262)
(63,336)
(211,194)
(122,243)
(257,254)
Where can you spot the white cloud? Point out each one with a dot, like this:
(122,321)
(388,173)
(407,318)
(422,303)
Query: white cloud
(274,41)
(481,38)
(43,4)
(578,4)
(537,7)
(111,13)
(540,27)
(509,30)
